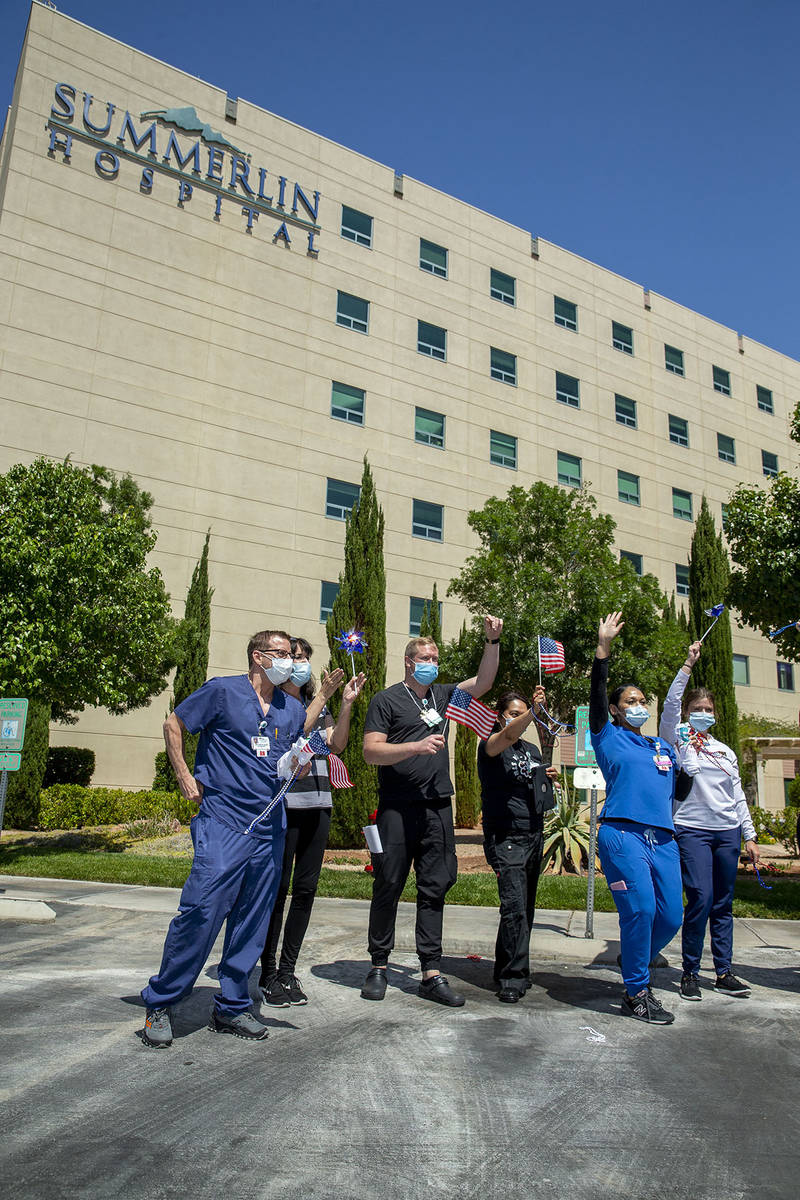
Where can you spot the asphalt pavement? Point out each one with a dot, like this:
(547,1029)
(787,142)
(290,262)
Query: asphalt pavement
(556,1096)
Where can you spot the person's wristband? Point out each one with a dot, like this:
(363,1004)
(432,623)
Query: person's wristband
(491,641)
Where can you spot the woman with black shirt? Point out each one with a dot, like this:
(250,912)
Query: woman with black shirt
(516,791)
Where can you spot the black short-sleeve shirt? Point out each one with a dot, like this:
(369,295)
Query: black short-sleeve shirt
(397,713)
(515,791)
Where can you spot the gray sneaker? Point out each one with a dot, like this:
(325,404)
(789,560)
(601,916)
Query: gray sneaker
(244,1025)
(157,1028)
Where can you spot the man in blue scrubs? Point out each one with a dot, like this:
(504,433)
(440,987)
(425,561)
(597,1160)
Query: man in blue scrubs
(245,723)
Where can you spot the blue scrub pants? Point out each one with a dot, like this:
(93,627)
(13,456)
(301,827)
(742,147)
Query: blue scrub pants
(709,862)
(650,905)
(235,876)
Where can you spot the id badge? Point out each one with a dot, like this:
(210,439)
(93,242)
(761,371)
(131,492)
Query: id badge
(260,745)
(662,761)
(431,718)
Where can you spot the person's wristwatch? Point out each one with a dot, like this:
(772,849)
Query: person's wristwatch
(491,641)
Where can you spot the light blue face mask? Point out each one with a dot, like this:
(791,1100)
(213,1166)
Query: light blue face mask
(426,672)
(701,721)
(636,715)
(301,673)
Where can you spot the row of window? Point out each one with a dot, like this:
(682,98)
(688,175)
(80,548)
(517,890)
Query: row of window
(741,673)
(357,227)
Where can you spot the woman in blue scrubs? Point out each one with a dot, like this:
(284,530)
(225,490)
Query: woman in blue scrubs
(636,839)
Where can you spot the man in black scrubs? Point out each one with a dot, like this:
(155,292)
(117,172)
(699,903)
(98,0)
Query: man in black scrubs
(405,736)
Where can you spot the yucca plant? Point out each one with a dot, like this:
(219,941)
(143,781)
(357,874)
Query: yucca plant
(566,833)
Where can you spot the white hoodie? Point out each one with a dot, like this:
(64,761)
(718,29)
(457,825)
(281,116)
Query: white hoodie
(716,799)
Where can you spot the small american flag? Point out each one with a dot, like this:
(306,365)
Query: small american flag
(551,656)
(466,710)
(337,771)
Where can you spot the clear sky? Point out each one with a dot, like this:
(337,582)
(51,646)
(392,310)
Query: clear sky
(656,139)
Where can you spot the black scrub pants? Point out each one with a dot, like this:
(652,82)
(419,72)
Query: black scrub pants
(421,834)
(307,832)
(517,861)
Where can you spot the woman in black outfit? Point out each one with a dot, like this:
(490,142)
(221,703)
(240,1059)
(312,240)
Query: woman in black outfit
(516,791)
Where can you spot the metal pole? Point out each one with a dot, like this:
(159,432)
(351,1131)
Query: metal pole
(3,790)
(592,856)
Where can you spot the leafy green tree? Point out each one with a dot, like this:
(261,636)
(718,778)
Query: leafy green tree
(751,726)
(193,637)
(547,566)
(84,620)
(709,582)
(763,530)
(360,605)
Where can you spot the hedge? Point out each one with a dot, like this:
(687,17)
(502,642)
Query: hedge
(69,764)
(69,806)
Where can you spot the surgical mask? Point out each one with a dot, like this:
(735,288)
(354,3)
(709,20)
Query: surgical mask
(426,672)
(636,715)
(279,671)
(701,721)
(301,673)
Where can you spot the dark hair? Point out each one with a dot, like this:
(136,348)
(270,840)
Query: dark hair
(617,693)
(310,686)
(260,641)
(503,702)
(698,693)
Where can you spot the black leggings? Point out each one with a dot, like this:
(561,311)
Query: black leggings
(307,832)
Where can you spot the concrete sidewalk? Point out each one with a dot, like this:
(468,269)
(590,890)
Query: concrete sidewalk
(559,935)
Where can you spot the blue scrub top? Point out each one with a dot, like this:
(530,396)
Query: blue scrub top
(635,788)
(237,784)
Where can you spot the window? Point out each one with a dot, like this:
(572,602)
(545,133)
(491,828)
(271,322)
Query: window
(681,579)
(682,504)
(567,390)
(785,677)
(726,448)
(678,431)
(741,670)
(502,449)
(722,381)
(356,226)
(341,498)
(328,593)
(502,287)
(416,611)
(433,258)
(427,520)
(431,340)
(503,366)
(352,312)
(673,360)
(634,559)
(628,487)
(621,337)
(725,518)
(565,313)
(429,427)
(569,469)
(769,463)
(764,399)
(347,403)
(625,411)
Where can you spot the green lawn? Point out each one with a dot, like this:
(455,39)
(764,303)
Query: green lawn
(555,891)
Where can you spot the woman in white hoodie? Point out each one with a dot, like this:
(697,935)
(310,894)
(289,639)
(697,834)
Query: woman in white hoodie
(709,825)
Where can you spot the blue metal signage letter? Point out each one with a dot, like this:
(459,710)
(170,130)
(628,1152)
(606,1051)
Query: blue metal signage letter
(300,195)
(146,182)
(262,179)
(183,159)
(87,104)
(283,232)
(240,171)
(282,191)
(65,95)
(129,128)
(215,161)
(251,214)
(56,143)
(185,190)
(106,164)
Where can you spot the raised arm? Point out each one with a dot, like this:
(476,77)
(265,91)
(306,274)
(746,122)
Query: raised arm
(498,742)
(607,630)
(671,713)
(330,684)
(479,684)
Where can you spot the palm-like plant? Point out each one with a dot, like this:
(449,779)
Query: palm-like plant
(566,833)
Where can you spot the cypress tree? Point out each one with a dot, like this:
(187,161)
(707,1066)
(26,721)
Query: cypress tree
(25,785)
(360,605)
(431,622)
(193,640)
(709,583)
(465,753)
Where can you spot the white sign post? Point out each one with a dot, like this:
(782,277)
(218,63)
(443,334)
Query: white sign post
(590,778)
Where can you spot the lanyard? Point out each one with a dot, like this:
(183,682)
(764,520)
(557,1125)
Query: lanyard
(422,706)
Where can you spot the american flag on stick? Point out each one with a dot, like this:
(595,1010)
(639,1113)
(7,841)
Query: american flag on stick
(466,710)
(551,656)
(338,772)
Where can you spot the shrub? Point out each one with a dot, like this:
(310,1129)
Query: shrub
(566,833)
(793,793)
(69,764)
(69,806)
(761,822)
(146,828)
(779,826)
(25,785)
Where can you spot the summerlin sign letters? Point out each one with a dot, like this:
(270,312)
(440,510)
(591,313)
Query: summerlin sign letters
(210,164)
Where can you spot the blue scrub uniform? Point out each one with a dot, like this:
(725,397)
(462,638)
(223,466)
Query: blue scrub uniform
(636,840)
(234,874)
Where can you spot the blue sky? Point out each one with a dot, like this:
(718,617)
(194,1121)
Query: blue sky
(658,140)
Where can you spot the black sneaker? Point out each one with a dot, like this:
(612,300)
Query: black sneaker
(509,995)
(375,984)
(437,988)
(645,1007)
(730,985)
(274,992)
(690,987)
(157,1030)
(291,986)
(244,1025)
